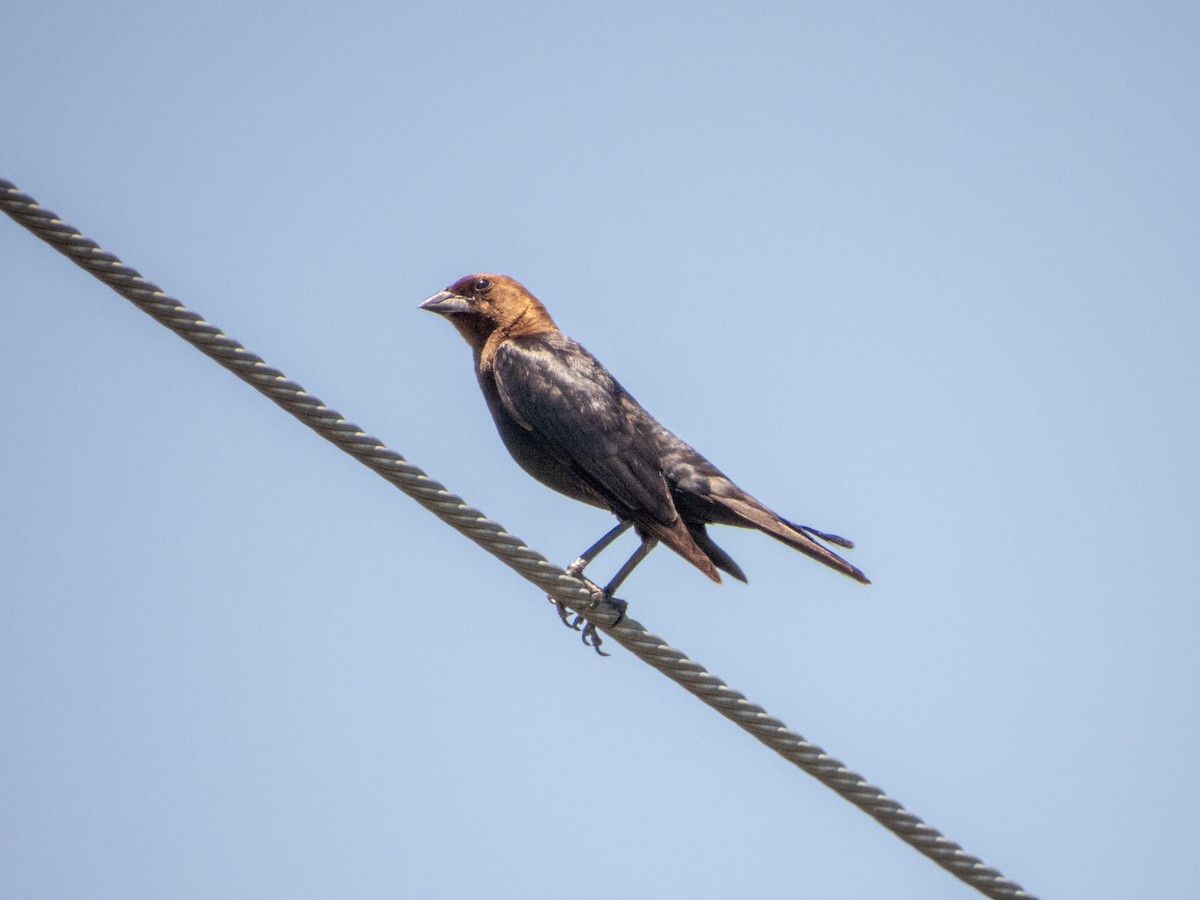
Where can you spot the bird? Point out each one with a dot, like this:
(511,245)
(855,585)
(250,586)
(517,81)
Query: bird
(567,422)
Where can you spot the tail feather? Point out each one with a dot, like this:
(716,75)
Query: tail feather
(795,536)
(680,538)
(832,538)
(719,557)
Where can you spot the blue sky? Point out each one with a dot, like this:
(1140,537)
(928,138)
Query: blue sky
(923,275)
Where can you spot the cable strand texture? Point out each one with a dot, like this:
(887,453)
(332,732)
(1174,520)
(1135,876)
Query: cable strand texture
(513,552)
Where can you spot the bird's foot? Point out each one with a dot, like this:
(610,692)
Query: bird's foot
(620,606)
(589,635)
(565,614)
(587,630)
(591,638)
(597,596)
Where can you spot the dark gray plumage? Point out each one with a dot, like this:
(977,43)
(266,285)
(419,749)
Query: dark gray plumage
(569,424)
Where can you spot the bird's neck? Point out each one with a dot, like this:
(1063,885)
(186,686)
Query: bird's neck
(533,319)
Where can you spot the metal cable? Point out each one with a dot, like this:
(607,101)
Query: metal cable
(454,511)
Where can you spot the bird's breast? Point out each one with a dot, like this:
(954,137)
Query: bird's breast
(531,454)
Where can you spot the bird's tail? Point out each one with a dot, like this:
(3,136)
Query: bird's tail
(823,554)
(683,540)
(719,557)
(798,537)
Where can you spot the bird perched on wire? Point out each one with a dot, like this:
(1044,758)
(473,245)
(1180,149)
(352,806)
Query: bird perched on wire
(569,424)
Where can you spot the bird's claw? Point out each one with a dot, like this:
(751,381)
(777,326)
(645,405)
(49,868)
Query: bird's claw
(590,635)
(591,638)
(587,631)
(598,597)
(565,614)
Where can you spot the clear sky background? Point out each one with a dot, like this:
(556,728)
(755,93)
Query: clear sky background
(926,275)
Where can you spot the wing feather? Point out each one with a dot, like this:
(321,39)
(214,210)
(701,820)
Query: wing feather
(562,394)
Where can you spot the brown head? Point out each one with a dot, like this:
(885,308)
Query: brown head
(486,309)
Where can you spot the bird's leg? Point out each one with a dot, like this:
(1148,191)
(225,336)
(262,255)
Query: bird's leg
(608,595)
(624,572)
(576,568)
(580,623)
(589,634)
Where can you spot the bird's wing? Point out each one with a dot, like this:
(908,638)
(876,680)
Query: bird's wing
(563,395)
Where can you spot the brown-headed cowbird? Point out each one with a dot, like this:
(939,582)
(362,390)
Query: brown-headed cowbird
(569,424)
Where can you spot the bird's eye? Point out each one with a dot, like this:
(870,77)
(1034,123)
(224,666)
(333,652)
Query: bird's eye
(482,284)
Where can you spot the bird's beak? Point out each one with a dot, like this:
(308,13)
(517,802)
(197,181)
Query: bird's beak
(445,303)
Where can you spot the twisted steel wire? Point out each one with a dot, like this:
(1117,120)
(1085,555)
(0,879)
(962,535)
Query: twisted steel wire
(454,511)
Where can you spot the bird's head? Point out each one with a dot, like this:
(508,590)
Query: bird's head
(485,306)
